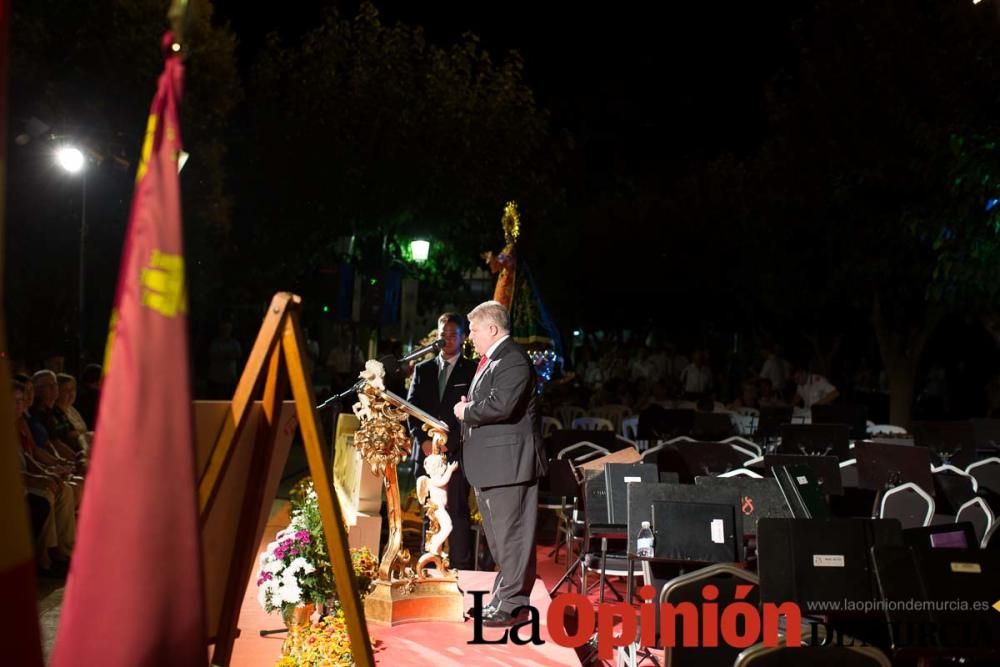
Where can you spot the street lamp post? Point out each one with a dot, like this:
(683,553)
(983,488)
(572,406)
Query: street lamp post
(72,160)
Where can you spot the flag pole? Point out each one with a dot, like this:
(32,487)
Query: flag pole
(179,18)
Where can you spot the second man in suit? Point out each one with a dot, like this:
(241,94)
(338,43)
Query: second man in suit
(437,385)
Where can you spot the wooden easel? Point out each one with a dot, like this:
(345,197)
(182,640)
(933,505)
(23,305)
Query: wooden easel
(277,358)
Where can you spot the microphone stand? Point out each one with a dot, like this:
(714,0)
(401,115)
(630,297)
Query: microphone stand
(336,399)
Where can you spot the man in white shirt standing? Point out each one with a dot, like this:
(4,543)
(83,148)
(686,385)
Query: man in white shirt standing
(776,369)
(697,377)
(813,389)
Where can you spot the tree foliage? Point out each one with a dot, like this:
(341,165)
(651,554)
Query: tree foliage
(88,72)
(839,217)
(368,131)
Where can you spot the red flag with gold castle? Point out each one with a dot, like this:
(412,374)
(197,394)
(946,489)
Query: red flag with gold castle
(135,593)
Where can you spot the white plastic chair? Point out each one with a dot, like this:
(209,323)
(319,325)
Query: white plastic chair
(567,413)
(613,412)
(630,427)
(589,450)
(550,424)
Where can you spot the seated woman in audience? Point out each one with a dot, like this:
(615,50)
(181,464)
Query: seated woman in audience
(56,457)
(41,417)
(55,540)
(23,424)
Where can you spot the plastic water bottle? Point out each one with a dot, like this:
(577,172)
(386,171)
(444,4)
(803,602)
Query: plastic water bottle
(644,543)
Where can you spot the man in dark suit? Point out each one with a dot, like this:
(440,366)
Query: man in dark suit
(503,457)
(437,384)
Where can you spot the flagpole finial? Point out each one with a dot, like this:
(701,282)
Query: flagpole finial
(178,17)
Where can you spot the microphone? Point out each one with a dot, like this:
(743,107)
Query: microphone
(421,351)
(391,367)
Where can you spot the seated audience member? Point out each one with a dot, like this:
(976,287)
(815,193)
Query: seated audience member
(54,540)
(42,419)
(696,379)
(26,429)
(775,369)
(66,423)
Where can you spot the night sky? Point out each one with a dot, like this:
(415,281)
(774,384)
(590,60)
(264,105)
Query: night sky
(654,110)
(642,84)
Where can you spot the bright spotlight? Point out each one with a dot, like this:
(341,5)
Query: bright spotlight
(70,158)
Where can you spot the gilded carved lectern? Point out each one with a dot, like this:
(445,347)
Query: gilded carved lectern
(403,591)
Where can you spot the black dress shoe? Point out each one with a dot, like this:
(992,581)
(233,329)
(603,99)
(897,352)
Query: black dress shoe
(501,619)
(485,611)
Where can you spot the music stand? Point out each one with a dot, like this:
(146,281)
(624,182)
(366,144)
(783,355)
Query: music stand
(854,416)
(617,476)
(815,440)
(952,442)
(595,492)
(659,423)
(825,468)
(801,491)
(712,426)
(702,532)
(931,577)
(882,466)
(642,496)
(986,435)
(771,419)
(758,498)
(810,561)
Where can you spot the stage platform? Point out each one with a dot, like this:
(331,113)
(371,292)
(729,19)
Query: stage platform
(417,644)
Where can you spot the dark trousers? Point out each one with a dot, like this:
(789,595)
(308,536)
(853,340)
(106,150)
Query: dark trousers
(510,514)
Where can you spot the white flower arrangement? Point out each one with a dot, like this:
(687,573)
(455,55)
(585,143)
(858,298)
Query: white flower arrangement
(287,576)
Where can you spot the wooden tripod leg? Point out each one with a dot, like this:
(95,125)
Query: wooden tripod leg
(245,550)
(329,507)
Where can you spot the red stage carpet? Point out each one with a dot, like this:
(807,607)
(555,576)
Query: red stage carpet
(417,644)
